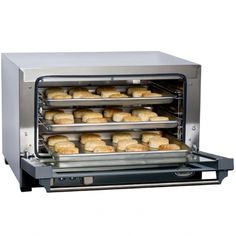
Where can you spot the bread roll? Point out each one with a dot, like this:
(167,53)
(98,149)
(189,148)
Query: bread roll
(52,140)
(158,118)
(68,151)
(62,96)
(80,112)
(132,89)
(105,88)
(152,95)
(157,141)
(146,116)
(52,90)
(136,111)
(148,135)
(122,144)
(58,95)
(121,136)
(65,144)
(91,145)
(76,89)
(96,120)
(107,94)
(136,148)
(84,94)
(139,93)
(84,138)
(119,116)
(48,115)
(99,149)
(109,112)
(169,147)
(88,115)
(116,95)
(64,118)
(132,119)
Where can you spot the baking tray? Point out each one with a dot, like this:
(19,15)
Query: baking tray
(86,159)
(111,125)
(166,98)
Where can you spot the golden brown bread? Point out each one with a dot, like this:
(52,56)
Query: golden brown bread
(48,115)
(132,89)
(116,137)
(88,115)
(119,116)
(76,89)
(132,119)
(84,94)
(80,112)
(136,148)
(58,95)
(146,136)
(52,90)
(120,95)
(65,144)
(108,93)
(108,112)
(158,118)
(68,150)
(64,118)
(136,111)
(122,144)
(152,95)
(146,116)
(91,145)
(105,88)
(96,120)
(89,137)
(52,140)
(157,141)
(169,147)
(139,93)
(106,148)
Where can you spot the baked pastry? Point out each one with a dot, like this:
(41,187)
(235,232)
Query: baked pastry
(88,115)
(65,144)
(105,88)
(132,119)
(152,95)
(108,93)
(122,144)
(158,118)
(84,94)
(48,115)
(121,136)
(119,116)
(136,111)
(157,141)
(139,93)
(62,96)
(109,112)
(52,140)
(52,90)
(136,148)
(169,147)
(146,115)
(84,138)
(91,145)
(132,89)
(120,95)
(96,120)
(64,118)
(76,89)
(106,148)
(58,95)
(80,112)
(148,135)
(68,151)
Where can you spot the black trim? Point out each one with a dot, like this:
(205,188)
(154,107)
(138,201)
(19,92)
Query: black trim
(36,104)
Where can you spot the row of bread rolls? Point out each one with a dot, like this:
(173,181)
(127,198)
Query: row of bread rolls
(109,114)
(101,92)
(122,142)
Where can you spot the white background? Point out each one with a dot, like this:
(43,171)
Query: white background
(200,31)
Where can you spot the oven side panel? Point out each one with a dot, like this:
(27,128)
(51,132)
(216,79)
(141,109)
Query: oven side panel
(10,115)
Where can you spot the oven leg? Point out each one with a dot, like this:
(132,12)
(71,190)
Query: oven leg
(6,161)
(25,189)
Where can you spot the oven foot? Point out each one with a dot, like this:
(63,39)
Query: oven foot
(25,189)
(6,162)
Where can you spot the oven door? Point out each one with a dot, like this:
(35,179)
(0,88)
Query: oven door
(200,168)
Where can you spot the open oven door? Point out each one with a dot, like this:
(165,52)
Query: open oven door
(67,177)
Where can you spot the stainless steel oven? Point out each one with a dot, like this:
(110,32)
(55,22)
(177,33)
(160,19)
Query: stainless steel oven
(174,85)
